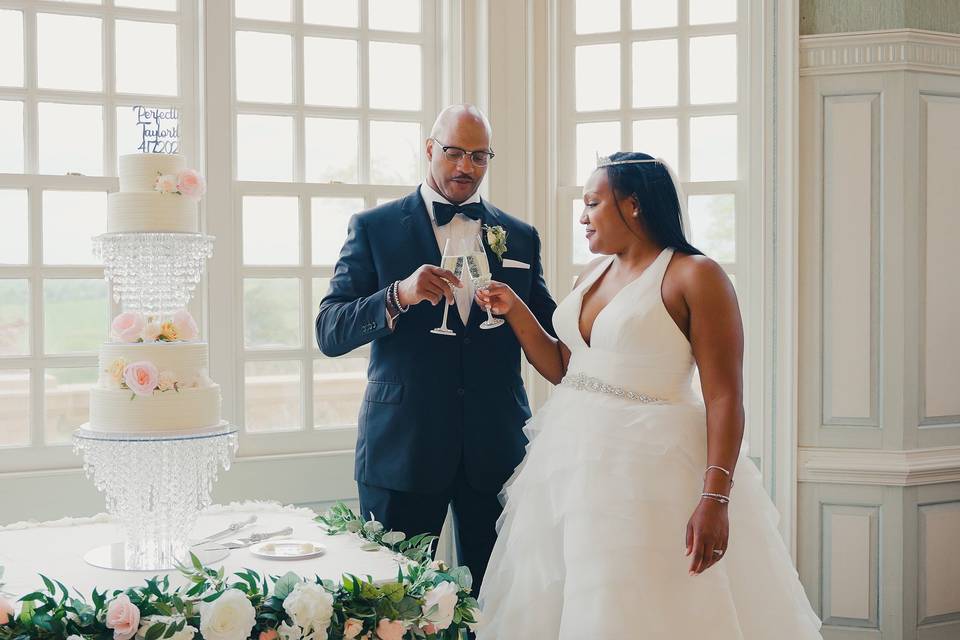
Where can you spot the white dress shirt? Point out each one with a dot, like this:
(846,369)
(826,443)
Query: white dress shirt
(460,228)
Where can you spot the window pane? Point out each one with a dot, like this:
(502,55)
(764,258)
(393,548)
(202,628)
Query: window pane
(144,129)
(332,150)
(654,14)
(338,386)
(394,76)
(15,239)
(598,16)
(706,11)
(11,48)
(66,398)
(337,84)
(76,66)
(713,225)
(70,219)
(14,318)
(395,15)
(74,315)
(598,77)
(71,138)
(272,396)
(581,250)
(395,152)
(713,69)
(264,67)
(263,9)
(264,147)
(657,138)
(159,5)
(14,407)
(339,13)
(271,230)
(713,148)
(11,137)
(271,312)
(595,138)
(655,73)
(146,58)
(330,217)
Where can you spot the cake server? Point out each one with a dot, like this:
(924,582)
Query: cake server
(225,533)
(253,538)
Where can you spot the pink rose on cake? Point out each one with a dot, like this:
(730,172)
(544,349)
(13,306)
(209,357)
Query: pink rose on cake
(128,326)
(141,377)
(185,325)
(191,184)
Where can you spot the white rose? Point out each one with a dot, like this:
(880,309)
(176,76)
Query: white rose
(151,331)
(310,606)
(444,597)
(290,632)
(229,617)
(166,381)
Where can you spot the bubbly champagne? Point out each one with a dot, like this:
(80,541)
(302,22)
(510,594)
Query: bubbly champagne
(453,264)
(479,268)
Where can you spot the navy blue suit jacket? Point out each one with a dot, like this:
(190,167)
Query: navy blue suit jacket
(430,400)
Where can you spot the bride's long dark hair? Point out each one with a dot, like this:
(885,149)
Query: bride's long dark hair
(652,187)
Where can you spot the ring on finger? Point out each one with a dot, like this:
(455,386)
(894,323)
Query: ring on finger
(718,552)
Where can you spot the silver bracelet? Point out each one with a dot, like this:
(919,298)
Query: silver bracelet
(719,497)
(713,466)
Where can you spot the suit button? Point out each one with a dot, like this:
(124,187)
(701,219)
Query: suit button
(466,341)
(461,392)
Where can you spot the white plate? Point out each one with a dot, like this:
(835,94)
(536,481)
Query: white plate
(288,549)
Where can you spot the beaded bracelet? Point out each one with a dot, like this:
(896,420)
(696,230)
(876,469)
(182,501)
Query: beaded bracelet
(719,497)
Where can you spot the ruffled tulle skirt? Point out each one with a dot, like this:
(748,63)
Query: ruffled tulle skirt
(591,541)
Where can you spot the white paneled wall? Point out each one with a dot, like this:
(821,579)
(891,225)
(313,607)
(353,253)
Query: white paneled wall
(879,333)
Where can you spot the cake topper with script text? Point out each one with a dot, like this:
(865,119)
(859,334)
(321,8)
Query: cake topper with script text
(159,129)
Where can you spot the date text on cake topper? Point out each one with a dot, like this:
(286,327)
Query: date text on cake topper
(159,129)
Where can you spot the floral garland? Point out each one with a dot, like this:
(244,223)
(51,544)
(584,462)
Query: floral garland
(427,601)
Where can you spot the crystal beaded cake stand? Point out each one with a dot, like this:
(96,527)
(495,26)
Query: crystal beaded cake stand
(155,486)
(153,272)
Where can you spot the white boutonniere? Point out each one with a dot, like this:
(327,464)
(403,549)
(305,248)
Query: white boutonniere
(496,240)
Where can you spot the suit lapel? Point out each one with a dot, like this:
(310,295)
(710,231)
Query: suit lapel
(419,229)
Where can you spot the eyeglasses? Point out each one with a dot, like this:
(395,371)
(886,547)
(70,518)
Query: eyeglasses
(456,154)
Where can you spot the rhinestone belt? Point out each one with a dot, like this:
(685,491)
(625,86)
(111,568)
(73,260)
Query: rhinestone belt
(583,382)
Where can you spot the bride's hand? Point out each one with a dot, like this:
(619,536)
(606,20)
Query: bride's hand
(707,531)
(498,296)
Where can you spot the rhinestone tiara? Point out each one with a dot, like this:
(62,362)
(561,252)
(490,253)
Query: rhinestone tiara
(605,161)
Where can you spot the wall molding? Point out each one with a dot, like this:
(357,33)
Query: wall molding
(872,51)
(906,468)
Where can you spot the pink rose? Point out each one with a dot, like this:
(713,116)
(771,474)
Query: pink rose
(390,630)
(142,377)
(123,617)
(269,634)
(429,628)
(352,628)
(191,184)
(128,326)
(165,184)
(6,611)
(185,325)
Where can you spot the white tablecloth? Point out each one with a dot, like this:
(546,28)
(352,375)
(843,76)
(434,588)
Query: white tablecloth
(56,550)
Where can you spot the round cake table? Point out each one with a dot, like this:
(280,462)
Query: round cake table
(56,549)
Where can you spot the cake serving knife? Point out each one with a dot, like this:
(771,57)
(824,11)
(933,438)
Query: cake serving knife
(229,531)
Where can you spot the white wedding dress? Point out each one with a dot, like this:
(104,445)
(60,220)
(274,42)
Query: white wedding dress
(591,541)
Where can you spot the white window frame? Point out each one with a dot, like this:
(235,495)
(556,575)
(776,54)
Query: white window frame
(747,188)
(228,353)
(37,454)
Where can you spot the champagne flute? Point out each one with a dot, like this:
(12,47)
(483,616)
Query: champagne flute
(452,261)
(479,267)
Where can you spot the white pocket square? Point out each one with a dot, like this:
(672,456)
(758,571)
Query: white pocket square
(515,264)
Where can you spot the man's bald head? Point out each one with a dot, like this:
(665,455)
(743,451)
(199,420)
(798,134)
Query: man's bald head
(465,127)
(458,116)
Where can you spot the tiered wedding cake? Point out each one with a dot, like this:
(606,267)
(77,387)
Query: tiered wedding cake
(153,372)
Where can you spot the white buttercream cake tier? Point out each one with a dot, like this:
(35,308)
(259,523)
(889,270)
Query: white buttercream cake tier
(138,171)
(151,211)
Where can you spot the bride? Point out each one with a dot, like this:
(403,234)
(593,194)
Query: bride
(624,520)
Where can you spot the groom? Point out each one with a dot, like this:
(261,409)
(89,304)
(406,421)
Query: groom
(441,419)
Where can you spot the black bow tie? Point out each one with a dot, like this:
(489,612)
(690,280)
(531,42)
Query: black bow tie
(443,213)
